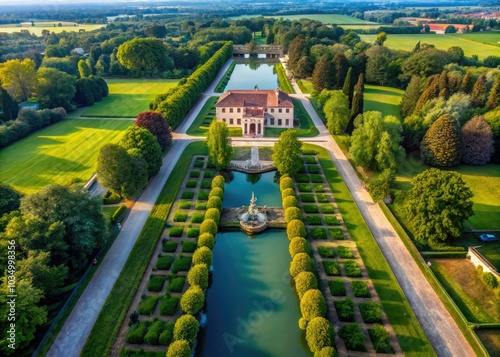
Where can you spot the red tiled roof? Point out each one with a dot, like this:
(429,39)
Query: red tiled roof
(255,98)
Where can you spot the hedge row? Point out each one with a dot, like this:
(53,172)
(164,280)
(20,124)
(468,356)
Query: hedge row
(192,301)
(119,213)
(175,104)
(313,307)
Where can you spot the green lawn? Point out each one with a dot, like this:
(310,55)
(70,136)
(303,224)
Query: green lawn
(410,335)
(259,39)
(305,86)
(407,42)
(62,153)
(383,99)
(325,18)
(129,97)
(487,37)
(307,127)
(491,251)
(40,26)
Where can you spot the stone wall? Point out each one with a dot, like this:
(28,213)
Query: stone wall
(478,259)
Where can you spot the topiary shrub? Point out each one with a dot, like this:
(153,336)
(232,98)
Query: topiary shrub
(180,216)
(301,262)
(198,275)
(336,233)
(331,220)
(345,309)
(310,208)
(168,304)
(136,333)
(331,268)
(289,201)
(327,208)
(371,312)
(292,213)
(197,217)
(307,197)
(156,283)
(153,334)
(287,192)
(199,205)
(312,304)
(490,280)
(286,182)
(206,184)
(164,262)
(353,337)
(176,284)
(380,339)
(319,334)
(360,289)
(352,269)
(218,181)
(202,255)
(299,245)
(181,263)
(206,240)
(217,192)
(327,351)
(208,226)
(296,228)
(303,323)
(318,233)
(305,281)
(192,300)
(186,328)
(326,252)
(147,306)
(304,187)
(203,195)
(213,213)
(192,232)
(176,231)
(188,246)
(314,220)
(187,195)
(180,348)
(214,202)
(337,287)
(345,252)
(166,335)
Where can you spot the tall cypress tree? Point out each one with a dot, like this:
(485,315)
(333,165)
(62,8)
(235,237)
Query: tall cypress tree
(322,75)
(431,92)
(8,105)
(341,64)
(479,92)
(467,83)
(348,87)
(296,50)
(444,90)
(411,96)
(494,97)
(357,103)
(442,145)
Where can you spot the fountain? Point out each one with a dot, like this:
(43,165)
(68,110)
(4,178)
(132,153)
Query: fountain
(253,220)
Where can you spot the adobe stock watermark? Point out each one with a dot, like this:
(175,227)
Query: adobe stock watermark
(261,311)
(11,294)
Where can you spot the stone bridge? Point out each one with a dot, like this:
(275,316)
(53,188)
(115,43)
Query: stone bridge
(271,51)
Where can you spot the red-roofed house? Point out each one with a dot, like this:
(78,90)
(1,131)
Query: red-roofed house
(254,110)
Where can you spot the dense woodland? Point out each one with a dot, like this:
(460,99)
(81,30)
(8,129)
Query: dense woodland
(445,92)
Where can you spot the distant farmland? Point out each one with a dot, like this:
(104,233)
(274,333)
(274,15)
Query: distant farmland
(469,43)
(324,18)
(51,26)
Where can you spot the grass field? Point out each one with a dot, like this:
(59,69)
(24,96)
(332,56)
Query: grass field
(128,97)
(488,37)
(61,153)
(324,18)
(259,39)
(48,25)
(410,335)
(407,42)
(463,284)
(491,251)
(383,99)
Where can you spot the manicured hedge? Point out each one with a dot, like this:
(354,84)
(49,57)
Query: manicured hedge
(287,192)
(181,263)
(216,191)
(336,233)
(331,220)
(154,331)
(322,198)
(345,309)
(168,304)
(312,169)
(353,337)
(331,268)
(199,205)
(208,226)
(186,328)
(197,217)
(164,262)
(299,245)
(312,304)
(296,228)
(310,208)
(208,174)
(301,262)
(318,233)
(344,252)
(319,188)
(371,312)
(188,246)
(184,204)
(290,201)
(327,208)
(315,178)
(314,220)
(187,194)
(326,252)
(360,289)
(202,255)
(198,275)
(203,195)
(292,213)
(192,300)
(380,339)
(214,214)
(309,159)
(147,306)
(337,287)
(193,232)
(175,104)
(136,333)
(305,281)
(352,269)
(119,214)
(285,183)
(166,335)
(169,246)
(206,240)
(194,174)
(191,183)
(111,198)
(156,283)
(176,231)
(214,202)
(307,197)
(304,187)
(302,178)
(180,216)
(319,334)
(176,284)
(218,181)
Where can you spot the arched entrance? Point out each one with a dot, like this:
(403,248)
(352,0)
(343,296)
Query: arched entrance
(252,129)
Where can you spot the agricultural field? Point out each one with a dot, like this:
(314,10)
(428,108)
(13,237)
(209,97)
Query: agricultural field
(407,42)
(52,26)
(383,99)
(128,97)
(62,153)
(488,37)
(325,18)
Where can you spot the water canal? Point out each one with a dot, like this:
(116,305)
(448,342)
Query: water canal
(252,309)
(248,75)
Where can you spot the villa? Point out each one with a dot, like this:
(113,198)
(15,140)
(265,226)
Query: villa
(254,110)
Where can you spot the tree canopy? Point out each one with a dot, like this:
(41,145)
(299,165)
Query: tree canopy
(19,78)
(145,56)
(287,153)
(55,89)
(141,139)
(477,141)
(441,145)
(437,205)
(155,122)
(220,151)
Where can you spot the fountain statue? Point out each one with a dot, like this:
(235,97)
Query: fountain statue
(254,220)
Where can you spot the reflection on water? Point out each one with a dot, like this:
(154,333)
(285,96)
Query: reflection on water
(239,191)
(250,75)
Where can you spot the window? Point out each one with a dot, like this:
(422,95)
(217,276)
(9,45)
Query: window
(231,121)
(279,122)
(272,110)
(272,121)
(238,110)
(279,110)
(287,121)
(223,110)
(238,121)
(230,110)
(288,110)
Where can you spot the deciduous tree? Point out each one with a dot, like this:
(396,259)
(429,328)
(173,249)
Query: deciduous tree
(141,139)
(479,92)
(144,56)
(19,78)
(287,153)
(323,75)
(55,89)
(410,97)
(8,106)
(336,111)
(83,69)
(441,145)
(220,150)
(437,205)
(477,141)
(157,125)
(10,199)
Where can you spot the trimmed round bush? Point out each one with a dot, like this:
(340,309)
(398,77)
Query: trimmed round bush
(202,255)
(287,192)
(208,226)
(312,304)
(213,213)
(198,275)
(286,182)
(296,228)
(180,348)
(206,240)
(216,191)
(301,262)
(214,202)
(218,181)
(186,328)
(192,301)
(292,213)
(290,201)
(327,351)
(305,281)
(299,245)
(319,334)
(302,323)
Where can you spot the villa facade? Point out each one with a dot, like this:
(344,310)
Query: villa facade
(254,110)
